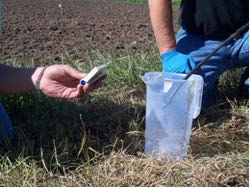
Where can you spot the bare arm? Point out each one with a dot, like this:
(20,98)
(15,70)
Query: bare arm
(162,23)
(15,80)
(57,81)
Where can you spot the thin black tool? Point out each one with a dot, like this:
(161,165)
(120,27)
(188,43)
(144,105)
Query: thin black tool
(234,36)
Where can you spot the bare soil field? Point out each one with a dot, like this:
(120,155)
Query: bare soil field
(40,29)
(99,141)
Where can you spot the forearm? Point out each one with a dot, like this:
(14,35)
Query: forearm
(162,23)
(17,80)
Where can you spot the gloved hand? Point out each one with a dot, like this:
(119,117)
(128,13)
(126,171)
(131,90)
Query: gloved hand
(174,61)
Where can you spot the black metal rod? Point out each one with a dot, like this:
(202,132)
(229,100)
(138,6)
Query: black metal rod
(234,36)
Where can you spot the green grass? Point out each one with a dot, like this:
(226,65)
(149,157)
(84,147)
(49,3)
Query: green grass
(176,2)
(99,140)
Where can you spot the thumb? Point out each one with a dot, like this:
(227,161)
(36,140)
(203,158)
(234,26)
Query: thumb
(73,72)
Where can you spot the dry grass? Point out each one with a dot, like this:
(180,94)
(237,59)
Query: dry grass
(100,141)
(120,169)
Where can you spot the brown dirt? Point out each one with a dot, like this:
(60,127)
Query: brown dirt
(40,29)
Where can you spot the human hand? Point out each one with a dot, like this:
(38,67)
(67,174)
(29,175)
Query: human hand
(174,61)
(62,81)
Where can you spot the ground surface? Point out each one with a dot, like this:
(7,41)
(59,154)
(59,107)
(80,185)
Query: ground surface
(41,29)
(99,141)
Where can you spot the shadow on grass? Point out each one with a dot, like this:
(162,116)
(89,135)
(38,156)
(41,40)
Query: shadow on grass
(62,132)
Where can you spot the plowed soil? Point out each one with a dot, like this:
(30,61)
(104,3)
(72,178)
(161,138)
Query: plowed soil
(41,29)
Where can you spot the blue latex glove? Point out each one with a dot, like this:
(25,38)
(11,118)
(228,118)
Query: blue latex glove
(174,61)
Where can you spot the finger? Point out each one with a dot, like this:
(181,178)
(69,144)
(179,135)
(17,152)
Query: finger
(91,87)
(80,91)
(73,72)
